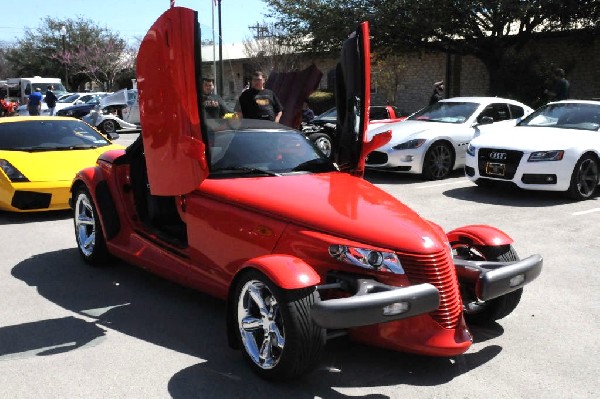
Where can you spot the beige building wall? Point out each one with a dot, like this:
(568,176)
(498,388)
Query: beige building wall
(464,76)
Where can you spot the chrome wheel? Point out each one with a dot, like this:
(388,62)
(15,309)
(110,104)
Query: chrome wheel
(438,161)
(88,231)
(85,225)
(260,324)
(323,143)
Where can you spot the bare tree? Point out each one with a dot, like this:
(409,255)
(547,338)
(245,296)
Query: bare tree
(271,50)
(386,71)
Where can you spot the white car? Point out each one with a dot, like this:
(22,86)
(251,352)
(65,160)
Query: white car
(433,141)
(117,111)
(557,148)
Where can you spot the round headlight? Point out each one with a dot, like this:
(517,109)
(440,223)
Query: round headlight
(375,259)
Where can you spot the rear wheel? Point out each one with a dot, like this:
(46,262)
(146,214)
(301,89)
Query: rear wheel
(88,231)
(480,312)
(277,335)
(323,142)
(584,179)
(109,126)
(438,162)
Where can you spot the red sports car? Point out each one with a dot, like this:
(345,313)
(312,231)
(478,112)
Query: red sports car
(301,248)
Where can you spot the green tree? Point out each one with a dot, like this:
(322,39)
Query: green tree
(89,52)
(485,29)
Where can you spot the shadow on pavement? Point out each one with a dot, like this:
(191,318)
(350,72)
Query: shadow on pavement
(131,301)
(7,218)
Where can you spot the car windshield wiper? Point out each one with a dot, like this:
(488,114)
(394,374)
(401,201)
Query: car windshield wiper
(36,149)
(82,147)
(247,170)
(315,165)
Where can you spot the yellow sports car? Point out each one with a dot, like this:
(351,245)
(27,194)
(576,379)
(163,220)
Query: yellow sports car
(39,157)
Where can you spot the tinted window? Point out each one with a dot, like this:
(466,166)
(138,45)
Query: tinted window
(47,135)
(447,112)
(376,113)
(497,111)
(275,151)
(516,111)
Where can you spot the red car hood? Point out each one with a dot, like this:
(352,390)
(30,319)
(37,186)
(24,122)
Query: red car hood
(334,203)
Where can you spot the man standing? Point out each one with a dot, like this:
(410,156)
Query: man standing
(258,102)
(560,89)
(50,100)
(213,104)
(34,103)
(438,92)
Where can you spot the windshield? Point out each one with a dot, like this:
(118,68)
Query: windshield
(566,116)
(264,152)
(446,112)
(48,135)
(58,88)
(69,99)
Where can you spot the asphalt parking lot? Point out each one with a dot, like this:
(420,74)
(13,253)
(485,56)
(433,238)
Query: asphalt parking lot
(71,331)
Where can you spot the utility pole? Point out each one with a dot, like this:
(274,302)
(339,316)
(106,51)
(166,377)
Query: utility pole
(220,81)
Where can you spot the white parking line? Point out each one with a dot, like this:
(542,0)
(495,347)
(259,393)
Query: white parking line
(586,212)
(443,184)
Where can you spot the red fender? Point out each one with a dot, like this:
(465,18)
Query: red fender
(287,272)
(479,235)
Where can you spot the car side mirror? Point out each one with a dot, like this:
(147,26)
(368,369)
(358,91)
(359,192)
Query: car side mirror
(112,136)
(485,120)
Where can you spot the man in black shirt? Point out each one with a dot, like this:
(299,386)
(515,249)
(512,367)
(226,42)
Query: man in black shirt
(258,102)
(212,103)
(50,100)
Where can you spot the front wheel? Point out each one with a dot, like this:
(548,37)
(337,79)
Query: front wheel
(439,160)
(109,126)
(323,143)
(478,312)
(584,179)
(279,339)
(88,231)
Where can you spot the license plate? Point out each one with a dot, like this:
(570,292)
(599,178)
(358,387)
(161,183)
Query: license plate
(495,169)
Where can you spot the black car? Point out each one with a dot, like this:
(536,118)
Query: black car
(80,110)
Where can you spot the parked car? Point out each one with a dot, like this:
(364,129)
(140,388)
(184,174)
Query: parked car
(297,245)
(321,130)
(39,157)
(557,148)
(433,141)
(119,110)
(62,102)
(80,110)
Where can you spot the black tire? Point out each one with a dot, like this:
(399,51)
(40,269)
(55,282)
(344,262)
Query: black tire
(497,308)
(584,179)
(323,143)
(295,342)
(88,231)
(438,162)
(109,126)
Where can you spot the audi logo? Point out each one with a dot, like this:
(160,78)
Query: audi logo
(498,156)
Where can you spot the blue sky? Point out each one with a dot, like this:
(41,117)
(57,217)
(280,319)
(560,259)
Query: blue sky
(130,18)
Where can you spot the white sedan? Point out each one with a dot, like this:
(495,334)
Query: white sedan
(557,148)
(433,141)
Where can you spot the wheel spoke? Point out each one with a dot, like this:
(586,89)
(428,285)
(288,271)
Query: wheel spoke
(256,296)
(251,324)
